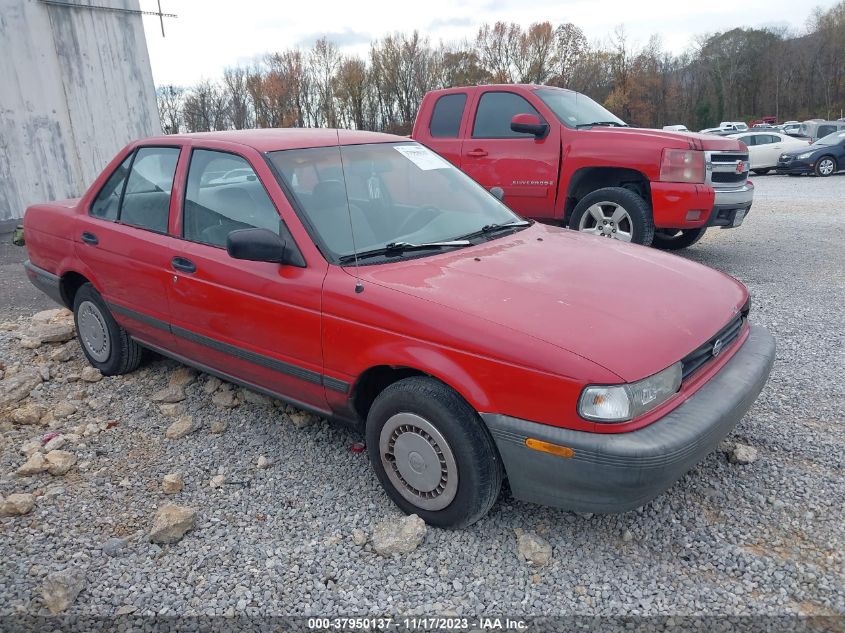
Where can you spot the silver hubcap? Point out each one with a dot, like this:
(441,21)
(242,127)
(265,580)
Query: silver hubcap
(826,167)
(93,331)
(418,461)
(607,219)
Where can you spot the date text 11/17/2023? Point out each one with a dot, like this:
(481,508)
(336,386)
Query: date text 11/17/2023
(419,623)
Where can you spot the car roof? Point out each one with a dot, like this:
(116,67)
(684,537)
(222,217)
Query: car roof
(272,139)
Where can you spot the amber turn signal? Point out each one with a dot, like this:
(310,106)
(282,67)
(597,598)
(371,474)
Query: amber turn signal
(548,447)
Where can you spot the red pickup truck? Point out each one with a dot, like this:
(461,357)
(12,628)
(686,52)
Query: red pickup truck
(363,277)
(559,157)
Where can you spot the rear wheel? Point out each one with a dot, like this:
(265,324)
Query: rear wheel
(826,166)
(106,345)
(762,172)
(615,213)
(676,239)
(432,453)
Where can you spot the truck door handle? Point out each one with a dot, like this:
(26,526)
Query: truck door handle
(183,265)
(477,153)
(89,238)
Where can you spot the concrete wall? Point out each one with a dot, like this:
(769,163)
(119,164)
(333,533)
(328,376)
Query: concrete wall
(75,87)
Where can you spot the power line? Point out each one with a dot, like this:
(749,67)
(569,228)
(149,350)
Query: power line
(96,7)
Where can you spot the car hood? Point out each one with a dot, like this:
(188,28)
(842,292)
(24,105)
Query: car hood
(633,310)
(802,150)
(691,140)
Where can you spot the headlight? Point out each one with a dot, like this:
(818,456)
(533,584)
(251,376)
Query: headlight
(804,155)
(682,165)
(618,403)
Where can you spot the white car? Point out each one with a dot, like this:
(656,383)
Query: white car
(764,148)
(675,128)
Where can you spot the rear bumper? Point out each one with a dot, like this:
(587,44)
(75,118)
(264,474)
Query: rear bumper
(619,472)
(45,281)
(728,203)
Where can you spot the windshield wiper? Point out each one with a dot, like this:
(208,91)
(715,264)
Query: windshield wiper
(602,123)
(487,229)
(395,248)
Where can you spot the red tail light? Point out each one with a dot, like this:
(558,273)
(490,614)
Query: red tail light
(682,165)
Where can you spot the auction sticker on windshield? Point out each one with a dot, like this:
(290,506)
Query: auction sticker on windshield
(423,158)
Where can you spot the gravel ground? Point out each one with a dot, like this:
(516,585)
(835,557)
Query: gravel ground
(761,538)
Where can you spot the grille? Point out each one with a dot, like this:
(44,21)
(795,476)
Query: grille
(722,169)
(704,353)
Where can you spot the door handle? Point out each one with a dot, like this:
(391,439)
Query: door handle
(89,238)
(183,265)
(477,153)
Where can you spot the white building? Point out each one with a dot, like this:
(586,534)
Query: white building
(75,87)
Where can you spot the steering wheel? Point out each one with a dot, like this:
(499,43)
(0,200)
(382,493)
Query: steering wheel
(418,219)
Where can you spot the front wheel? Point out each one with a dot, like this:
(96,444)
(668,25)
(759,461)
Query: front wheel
(676,239)
(106,345)
(615,213)
(826,166)
(432,453)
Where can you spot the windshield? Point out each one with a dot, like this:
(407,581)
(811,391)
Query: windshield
(393,193)
(574,109)
(830,139)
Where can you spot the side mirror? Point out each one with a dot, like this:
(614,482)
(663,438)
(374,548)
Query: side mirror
(529,124)
(498,192)
(256,245)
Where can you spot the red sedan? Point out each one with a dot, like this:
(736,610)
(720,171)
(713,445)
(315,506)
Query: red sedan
(364,278)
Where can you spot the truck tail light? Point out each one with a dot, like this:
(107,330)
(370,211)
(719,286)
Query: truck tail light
(682,165)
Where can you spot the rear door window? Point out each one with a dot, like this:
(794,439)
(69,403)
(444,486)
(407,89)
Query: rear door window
(447,115)
(146,199)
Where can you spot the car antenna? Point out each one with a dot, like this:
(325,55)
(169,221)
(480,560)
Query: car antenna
(359,287)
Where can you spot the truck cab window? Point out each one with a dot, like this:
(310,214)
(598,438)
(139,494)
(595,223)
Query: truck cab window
(447,115)
(146,200)
(494,114)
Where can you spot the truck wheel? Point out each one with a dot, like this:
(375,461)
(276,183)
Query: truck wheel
(762,172)
(676,239)
(616,213)
(825,166)
(432,453)
(106,345)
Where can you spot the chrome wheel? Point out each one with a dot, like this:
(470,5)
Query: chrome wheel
(418,461)
(607,219)
(826,166)
(93,331)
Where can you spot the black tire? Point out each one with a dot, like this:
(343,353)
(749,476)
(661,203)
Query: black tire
(762,172)
(638,210)
(478,465)
(124,354)
(823,160)
(676,239)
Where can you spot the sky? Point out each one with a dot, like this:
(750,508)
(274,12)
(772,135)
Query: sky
(211,35)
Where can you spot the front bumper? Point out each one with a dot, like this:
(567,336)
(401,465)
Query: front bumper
(731,206)
(620,472)
(794,167)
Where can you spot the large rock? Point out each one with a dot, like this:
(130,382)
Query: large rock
(533,548)
(30,413)
(169,394)
(54,314)
(56,332)
(60,589)
(91,374)
(225,398)
(171,409)
(253,397)
(180,428)
(742,454)
(302,419)
(59,462)
(399,536)
(63,410)
(62,354)
(183,376)
(172,483)
(17,504)
(171,522)
(34,465)
(17,386)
